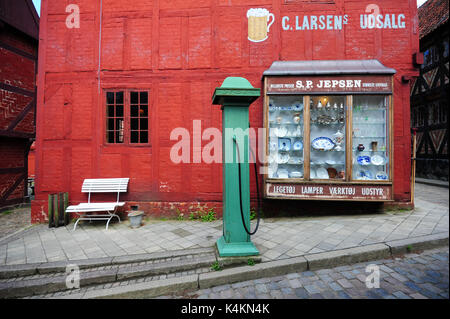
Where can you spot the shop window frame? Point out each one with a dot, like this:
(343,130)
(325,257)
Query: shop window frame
(348,142)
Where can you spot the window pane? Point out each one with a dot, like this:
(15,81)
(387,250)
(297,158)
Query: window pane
(327,159)
(119,110)
(285,137)
(370,147)
(134,111)
(119,97)
(110,97)
(110,125)
(110,137)
(134,138)
(144,137)
(134,124)
(134,98)
(110,110)
(119,137)
(144,124)
(143,111)
(144,98)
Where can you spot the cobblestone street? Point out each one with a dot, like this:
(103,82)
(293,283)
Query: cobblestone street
(413,276)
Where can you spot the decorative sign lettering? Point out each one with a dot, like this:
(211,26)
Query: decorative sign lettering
(329,191)
(319,84)
(260,20)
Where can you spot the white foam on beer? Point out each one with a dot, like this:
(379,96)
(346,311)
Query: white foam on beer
(257,12)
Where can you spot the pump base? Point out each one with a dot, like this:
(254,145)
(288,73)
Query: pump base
(236,249)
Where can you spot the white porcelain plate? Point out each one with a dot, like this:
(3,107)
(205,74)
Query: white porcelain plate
(322,173)
(377,160)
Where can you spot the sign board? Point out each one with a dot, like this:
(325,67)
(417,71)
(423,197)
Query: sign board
(330,84)
(329,191)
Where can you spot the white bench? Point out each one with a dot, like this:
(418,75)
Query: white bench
(99,185)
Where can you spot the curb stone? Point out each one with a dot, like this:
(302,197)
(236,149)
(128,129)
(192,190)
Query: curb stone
(146,289)
(267,269)
(347,256)
(402,246)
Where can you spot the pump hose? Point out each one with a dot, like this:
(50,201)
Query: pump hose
(240,191)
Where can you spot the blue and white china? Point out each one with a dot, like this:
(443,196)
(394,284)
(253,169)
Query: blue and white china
(282,158)
(298,146)
(298,107)
(360,175)
(273,146)
(330,162)
(381,176)
(323,143)
(363,160)
(284,144)
(377,160)
(368,174)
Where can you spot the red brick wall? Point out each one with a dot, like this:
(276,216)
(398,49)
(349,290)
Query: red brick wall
(181,50)
(12,169)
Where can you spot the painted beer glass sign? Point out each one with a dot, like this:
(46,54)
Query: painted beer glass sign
(258,24)
(372,18)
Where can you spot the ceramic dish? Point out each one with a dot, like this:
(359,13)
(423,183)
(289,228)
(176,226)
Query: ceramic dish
(368,174)
(381,176)
(296,174)
(298,107)
(323,143)
(377,160)
(273,146)
(282,173)
(282,158)
(332,172)
(330,162)
(281,131)
(322,173)
(363,160)
(298,146)
(312,174)
(284,144)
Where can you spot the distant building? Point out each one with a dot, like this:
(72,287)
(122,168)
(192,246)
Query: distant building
(19,30)
(429,93)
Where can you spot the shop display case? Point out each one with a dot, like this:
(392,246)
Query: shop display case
(329,136)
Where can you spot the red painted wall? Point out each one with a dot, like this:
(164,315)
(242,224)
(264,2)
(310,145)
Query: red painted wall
(181,50)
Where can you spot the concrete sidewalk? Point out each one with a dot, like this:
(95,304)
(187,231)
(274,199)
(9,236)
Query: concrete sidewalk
(276,239)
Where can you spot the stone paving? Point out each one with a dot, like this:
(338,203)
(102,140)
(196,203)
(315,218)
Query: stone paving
(276,238)
(414,276)
(14,220)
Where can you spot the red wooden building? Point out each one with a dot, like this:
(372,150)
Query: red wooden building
(19,30)
(111,91)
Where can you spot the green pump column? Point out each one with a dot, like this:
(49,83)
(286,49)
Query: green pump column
(235,96)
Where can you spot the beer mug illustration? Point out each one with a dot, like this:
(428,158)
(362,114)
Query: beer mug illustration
(258,24)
